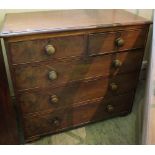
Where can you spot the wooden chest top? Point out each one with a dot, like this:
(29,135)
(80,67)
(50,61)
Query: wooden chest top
(66,20)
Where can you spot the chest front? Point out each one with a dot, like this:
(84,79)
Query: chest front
(70,78)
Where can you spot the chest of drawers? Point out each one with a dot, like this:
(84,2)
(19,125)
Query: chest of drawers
(74,67)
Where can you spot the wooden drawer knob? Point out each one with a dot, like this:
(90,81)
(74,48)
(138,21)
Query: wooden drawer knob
(50,50)
(54,99)
(52,75)
(56,121)
(113,86)
(119,42)
(110,108)
(117,63)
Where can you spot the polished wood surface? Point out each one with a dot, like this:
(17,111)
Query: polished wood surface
(37,75)
(76,93)
(66,20)
(102,43)
(34,51)
(8,122)
(61,65)
(72,117)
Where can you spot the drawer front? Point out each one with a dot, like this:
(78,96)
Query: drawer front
(66,118)
(47,49)
(58,73)
(102,43)
(77,93)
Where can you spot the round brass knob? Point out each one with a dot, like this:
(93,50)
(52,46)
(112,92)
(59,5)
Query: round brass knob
(50,50)
(119,42)
(54,99)
(52,75)
(117,63)
(56,121)
(113,86)
(110,108)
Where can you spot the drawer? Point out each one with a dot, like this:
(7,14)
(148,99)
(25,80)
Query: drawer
(59,73)
(102,43)
(47,49)
(76,93)
(71,117)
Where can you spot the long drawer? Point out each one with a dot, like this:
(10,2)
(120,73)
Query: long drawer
(62,72)
(71,117)
(76,93)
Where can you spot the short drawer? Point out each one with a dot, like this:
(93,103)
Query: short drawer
(102,43)
(47,49)
(76,93)
(66,118)
(59,73)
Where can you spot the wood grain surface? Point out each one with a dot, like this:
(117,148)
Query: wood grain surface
(34,51)
(36,75)
(67,20)
(83,66)
(102,43)
(76,93)
(72,117)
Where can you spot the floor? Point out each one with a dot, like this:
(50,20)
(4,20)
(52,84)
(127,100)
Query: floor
(120,130)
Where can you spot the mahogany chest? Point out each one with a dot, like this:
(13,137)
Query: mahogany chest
(73,67)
